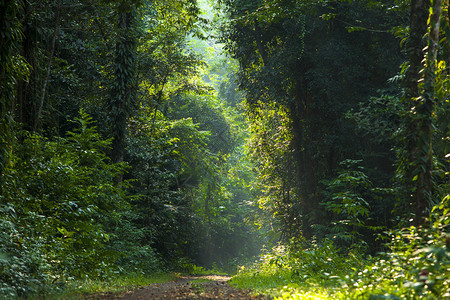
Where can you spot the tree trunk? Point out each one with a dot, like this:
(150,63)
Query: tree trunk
(9,40)
(424,108)
(123,90)
(306,170)
(414,46)
(48,69)
(26,89)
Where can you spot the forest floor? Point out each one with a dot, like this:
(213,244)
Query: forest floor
(186,287)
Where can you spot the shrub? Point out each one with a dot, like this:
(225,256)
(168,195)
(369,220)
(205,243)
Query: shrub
(57,197)
(23,270)
(417,266)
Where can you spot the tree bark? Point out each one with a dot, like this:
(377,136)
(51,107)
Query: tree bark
(25,104)
(123,90)
(36,124)
(414,47)
(424,108)
(9,40)
(306,166)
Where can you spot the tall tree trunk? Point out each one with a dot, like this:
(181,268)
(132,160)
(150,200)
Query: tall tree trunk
(26,89)
(414,46)
(31,93)
(424,108)
(306,170)
(9,40)
(40,106)
(123,91)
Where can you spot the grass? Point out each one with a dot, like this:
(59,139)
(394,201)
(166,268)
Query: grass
(378,279)
(114,285)
(281,285)
(76,289)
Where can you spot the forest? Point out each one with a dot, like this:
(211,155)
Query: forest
(301,147)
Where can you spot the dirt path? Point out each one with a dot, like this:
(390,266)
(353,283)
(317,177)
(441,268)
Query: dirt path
(189,287)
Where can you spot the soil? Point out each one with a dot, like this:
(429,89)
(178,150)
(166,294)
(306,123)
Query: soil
(186,287)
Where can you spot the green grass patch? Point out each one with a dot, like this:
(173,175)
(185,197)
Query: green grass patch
(114,285)
(282,285)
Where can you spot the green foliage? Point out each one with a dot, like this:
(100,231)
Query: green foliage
(72,184)
(23,269)
(347,188)
(417,267)
(193,188)
(115,285)
(291,60)
(270,147)
(193,269)
(210,115)
(61,195)
(129,242)
(285,270)
(349,200)
(161,216)
(127,65)
(420,258)
(12,68)
(219,200)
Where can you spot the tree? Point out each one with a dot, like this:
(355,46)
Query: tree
(422,101)
(123,97)
(311,58)
(12,69)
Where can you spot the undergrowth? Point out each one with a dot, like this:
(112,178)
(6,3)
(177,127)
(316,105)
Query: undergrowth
(417,266)
(189,268)
(113,285)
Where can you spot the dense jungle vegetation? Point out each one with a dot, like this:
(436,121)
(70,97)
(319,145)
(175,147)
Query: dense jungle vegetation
(302,144)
